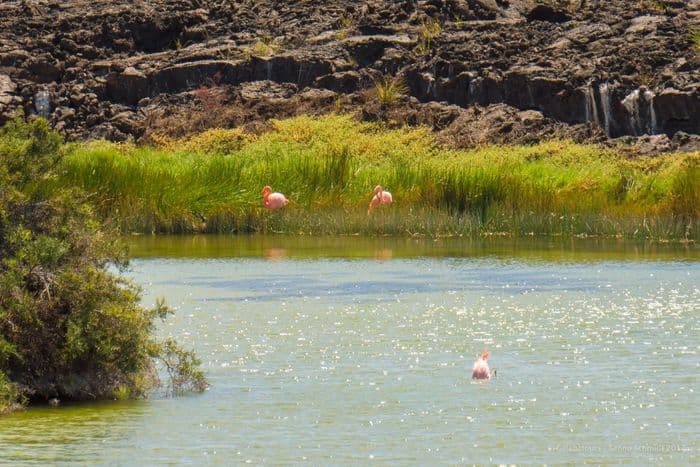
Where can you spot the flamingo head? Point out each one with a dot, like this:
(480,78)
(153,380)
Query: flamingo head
(485,355)
(378,189)
(266,191)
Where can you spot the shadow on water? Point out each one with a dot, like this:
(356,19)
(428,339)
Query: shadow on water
(280,247)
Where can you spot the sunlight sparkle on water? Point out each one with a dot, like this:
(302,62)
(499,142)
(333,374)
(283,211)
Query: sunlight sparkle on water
(341,361)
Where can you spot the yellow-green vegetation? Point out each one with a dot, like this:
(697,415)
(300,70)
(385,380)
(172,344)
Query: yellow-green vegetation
(69,327)
(429,30)
(390,90)
(263,47)
(328,166)
(653,6)
(695,38)
(347,25)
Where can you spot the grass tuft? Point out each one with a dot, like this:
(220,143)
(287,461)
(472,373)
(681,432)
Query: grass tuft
(264,47)
(389,91)
(429,30)
(695,39)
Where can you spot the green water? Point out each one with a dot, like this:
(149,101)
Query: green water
(358,350)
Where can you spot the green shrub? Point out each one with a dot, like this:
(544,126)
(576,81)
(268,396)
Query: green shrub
(69,328)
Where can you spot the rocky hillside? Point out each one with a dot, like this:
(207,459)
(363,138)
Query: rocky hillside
(475,70)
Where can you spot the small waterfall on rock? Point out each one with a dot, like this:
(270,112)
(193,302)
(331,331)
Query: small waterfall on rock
(639,104)
(631,104)
(42,103)
(607,108)
(268,66)
(431,88)
(473,91)
(649,97)
(591,106)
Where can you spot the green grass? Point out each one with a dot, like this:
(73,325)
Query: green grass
(389,91)
(328,166)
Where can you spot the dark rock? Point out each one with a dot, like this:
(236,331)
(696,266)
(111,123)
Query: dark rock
(583,75)
(686,142)
(14,58)
(108,132)
(319,97)
(368,49)
(129,86)
(266,90)
(186,76)
(62,113)
(8,100)
(345,82)
(484,90)
(589,32)
(530,117)
(7,89)
(645,24)
(44,69)
(552,13)
(126,122)
(677,110)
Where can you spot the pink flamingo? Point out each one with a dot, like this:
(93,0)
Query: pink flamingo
(273,200)
(380,197)
(481,367)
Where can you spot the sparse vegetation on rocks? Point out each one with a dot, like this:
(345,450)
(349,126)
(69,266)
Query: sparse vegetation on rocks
(575,62)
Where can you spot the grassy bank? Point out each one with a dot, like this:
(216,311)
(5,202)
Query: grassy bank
(328,167)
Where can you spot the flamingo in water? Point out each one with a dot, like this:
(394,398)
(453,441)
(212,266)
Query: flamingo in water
(481,367)
(273,200)
(380,197)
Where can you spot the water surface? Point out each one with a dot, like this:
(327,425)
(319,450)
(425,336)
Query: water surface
(359,350)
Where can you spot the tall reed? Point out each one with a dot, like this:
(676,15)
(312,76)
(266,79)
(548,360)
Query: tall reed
(328,166)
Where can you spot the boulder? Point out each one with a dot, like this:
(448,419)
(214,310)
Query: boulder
(645,24)
(369,49)
(129,86)
(44,69)
(8,100)
(344,82)
(7,89)
(677,110)
(551,11)
(589,32)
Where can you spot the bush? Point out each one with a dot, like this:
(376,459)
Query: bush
(69,328)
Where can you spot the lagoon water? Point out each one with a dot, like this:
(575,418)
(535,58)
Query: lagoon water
(335,351)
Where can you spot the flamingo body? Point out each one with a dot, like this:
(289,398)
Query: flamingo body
(481,367)
(380,197)
(273,200)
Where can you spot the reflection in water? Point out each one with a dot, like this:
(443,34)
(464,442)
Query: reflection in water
(331,359)
(384,254)
(275,253)
(385,248)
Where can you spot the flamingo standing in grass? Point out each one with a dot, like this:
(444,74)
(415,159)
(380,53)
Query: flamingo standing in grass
(380,197)
(481,367)
(273,200)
